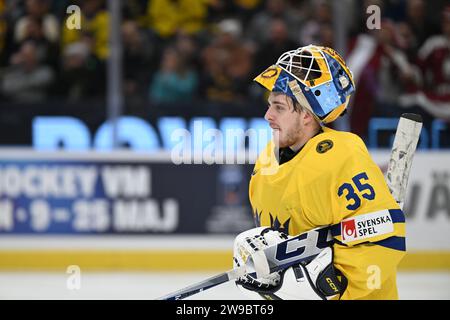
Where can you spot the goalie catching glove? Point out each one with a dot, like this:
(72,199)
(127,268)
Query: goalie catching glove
(315,280)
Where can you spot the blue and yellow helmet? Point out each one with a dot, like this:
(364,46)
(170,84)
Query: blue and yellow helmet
(316,77)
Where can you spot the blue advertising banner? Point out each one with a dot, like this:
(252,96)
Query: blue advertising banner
(104,195)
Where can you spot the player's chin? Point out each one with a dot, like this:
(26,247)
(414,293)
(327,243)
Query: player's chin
(282,145)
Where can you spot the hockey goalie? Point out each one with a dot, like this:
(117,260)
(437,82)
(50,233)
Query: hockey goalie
(311,176)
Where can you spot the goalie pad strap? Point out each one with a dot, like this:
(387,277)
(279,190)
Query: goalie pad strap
(331,281)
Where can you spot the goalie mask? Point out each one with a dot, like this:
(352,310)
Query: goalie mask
(316,77)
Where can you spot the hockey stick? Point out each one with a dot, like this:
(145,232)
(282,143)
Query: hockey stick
(307,245)
(280,256)
(403,149)
(230,275)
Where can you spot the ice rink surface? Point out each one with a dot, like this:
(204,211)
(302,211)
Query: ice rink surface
(148,286)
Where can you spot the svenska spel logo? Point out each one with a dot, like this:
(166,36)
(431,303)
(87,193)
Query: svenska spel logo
(348,230)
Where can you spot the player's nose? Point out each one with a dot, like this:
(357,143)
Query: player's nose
(269,116)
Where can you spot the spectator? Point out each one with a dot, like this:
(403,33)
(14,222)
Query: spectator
(421,25)
(227,64)
(434,58)
(37,11)
(187,44)
(47,50)
(175,81)
(95,22)
(311,31)
(166,17)
(27,80)
(137,57)
(258,32)
(395,72)
(434,62)
(245,9)
(277,43)
(82,74)
(326,35)
(3,25)
(407,40)
(381,72)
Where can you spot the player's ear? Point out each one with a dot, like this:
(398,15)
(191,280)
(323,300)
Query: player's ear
(307,117)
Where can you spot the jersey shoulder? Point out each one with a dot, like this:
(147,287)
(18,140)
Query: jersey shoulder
(338,140)
(333,149)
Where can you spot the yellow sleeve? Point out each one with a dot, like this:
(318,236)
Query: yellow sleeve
(351,188)
(370,264)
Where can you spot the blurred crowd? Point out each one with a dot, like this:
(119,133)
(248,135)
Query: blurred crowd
(181,51)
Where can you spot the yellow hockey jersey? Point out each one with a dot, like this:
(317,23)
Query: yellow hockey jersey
(334,182)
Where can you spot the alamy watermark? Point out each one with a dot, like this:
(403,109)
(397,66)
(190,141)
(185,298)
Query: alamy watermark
(374,20)
(374,278)
(73,281)
(229,146)
(73,21)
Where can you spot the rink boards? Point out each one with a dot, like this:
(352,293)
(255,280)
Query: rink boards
(128,211)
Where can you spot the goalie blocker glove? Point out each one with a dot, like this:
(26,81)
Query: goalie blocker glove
(315,280)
